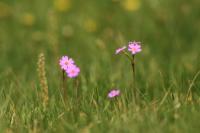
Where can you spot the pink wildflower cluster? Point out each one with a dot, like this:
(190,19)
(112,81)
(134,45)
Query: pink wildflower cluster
(68,65)
(133,47)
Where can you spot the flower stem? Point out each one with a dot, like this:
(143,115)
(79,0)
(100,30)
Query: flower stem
(77,93)
(134,83)
(76,86)
(127,55)
(64,89)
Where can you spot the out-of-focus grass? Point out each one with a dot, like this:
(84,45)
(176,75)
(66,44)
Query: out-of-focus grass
(90,31)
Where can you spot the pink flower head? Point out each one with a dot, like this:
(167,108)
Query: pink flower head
(119,50)
(134,47)
(114,93)
(66,62)
(73,71)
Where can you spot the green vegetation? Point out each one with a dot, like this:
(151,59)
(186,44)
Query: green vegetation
(167,70)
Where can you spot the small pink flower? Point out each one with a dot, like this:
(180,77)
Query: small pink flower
(114,93)
(73,71)
(119,50)
(66,62)
(134,47)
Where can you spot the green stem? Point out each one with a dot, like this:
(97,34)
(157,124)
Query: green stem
(77,93)
(127,55)
(134,83)
(64,89)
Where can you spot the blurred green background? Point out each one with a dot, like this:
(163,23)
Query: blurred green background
(89,31)
(85,30)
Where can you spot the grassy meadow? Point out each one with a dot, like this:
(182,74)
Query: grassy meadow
(167,69)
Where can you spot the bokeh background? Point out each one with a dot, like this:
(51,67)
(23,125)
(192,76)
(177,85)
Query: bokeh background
(89,31)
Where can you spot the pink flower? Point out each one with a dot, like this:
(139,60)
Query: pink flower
(73,71)
(119,50)
(66,62)
(134,47)
(114,93)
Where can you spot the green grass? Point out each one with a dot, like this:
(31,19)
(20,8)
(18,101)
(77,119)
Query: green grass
(166,70)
